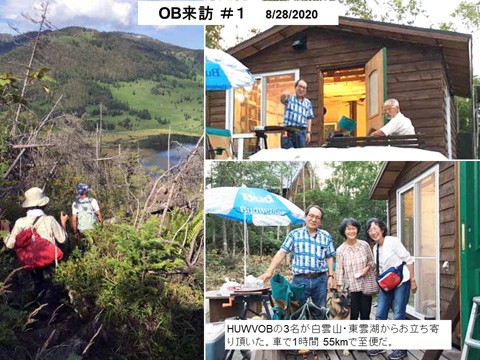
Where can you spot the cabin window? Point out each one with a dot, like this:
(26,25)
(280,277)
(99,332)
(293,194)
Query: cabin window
(418,225)
(246,107)
(259,105)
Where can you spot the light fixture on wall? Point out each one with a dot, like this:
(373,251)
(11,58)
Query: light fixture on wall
(299,44)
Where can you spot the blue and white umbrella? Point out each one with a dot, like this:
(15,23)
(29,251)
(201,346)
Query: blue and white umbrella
(224,72)
(252,206)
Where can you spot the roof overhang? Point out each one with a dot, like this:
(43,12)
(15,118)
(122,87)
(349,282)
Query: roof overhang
(386,179)
(456,47)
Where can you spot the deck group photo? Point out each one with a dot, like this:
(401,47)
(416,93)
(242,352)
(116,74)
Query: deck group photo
(334,183)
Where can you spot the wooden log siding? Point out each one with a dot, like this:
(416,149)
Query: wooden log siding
(215,111)
(415,76)
(448,221)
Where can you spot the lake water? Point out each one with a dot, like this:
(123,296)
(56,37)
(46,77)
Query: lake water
(156,150)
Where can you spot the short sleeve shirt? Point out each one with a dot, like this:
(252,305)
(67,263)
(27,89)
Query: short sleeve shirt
(309,252)
(46,226)
(79,201)
(399,125)
(297,112)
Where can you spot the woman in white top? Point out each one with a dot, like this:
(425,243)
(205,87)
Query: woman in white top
(46,226)
(391,253)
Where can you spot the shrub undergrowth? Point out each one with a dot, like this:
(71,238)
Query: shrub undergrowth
(149,308)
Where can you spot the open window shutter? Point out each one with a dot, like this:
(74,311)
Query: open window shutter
(375,78)
(317,125)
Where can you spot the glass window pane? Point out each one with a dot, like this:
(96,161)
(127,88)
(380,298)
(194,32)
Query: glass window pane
(246,108)
(407,222)
(373,93)
(427,236)
(276,86)
(249,145)
(426,276)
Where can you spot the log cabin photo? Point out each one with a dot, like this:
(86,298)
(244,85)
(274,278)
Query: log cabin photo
(350,69)
(434,208)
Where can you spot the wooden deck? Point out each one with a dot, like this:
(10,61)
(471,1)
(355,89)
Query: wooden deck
(362,355)
(453,354)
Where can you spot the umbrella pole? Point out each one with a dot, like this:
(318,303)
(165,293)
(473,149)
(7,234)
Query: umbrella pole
(245,248)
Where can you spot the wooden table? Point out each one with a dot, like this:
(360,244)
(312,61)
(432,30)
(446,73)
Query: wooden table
(238,304)
(261,135)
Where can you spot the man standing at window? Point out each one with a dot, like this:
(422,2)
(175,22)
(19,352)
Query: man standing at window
(297,118)
(313,253)
(398,124)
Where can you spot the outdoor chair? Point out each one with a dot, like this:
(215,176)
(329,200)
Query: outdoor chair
(219,144)
(286,297)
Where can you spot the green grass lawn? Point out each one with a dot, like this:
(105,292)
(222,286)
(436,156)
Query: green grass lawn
(114,136)
(181,105)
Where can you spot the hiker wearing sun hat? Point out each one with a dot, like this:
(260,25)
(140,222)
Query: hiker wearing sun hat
(46,226)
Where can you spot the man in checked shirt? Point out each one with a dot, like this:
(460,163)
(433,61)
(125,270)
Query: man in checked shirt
(298,117)
(313,253)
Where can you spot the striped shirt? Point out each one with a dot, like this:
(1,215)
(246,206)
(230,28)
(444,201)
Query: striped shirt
(352,260)
(297,112)
(309,252)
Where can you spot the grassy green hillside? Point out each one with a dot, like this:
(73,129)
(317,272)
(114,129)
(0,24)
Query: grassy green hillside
(142,83)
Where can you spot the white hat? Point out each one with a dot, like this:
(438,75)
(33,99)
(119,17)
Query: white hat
(35,197)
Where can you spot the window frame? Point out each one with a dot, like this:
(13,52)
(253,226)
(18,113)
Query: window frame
(230,99)
(414,184)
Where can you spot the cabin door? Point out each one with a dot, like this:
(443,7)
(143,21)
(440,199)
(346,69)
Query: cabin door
(376,86)
(469,245)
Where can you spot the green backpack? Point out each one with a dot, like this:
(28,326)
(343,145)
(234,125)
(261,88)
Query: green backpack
(86,216)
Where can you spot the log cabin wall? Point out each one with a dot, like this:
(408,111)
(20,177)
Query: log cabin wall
(215,109)
(448,221)
(415,76)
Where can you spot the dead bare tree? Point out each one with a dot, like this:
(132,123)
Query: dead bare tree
(173,187)
(41,23)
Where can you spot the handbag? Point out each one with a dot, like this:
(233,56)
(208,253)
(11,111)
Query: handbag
(369,283)
(390,278)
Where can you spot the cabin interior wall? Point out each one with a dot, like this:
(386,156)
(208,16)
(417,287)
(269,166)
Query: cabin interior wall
(344,95)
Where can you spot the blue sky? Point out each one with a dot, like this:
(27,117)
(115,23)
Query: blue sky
(103,15)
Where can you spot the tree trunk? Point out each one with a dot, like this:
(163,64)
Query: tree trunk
(225,243)
(303,183)
(214,238)
(261,240)
(29,67)
(233,242)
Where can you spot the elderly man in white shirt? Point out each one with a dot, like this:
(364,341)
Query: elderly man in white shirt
(398,123)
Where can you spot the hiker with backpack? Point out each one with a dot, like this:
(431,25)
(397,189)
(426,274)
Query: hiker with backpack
(85,212)
(34,238)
